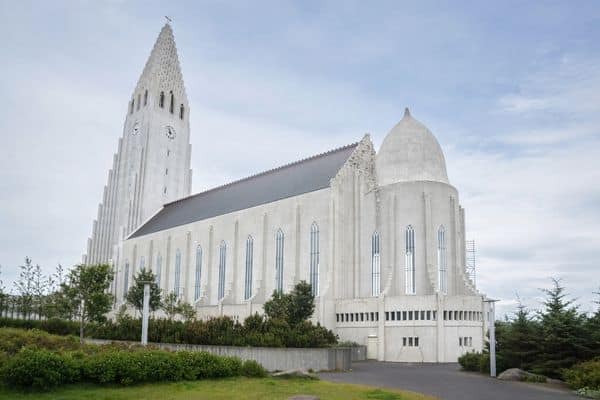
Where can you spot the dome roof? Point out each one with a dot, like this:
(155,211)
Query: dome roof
(410,152)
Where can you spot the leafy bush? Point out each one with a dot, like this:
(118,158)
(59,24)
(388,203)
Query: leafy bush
(127,367)
(252,369)
(584,375)
(471,361)
(12,340)
(33,368)
(54,325)
(42,369)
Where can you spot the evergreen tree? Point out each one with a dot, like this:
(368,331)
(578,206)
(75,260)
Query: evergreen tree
(562,334)
(135,295)
(592,329)
(520,341)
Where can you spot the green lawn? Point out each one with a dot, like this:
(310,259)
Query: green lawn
(233,388)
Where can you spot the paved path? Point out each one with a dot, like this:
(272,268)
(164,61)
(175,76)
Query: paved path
(445,381)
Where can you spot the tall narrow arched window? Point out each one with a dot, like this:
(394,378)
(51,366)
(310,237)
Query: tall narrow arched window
(158,269)
(181,111)
(375,265)
(279,261)
(142,263)
(314,258)
(198,273)
(222,264)
(126,279)
(139,101)
(146,97)
(249,261)
(161,100)
(172,104)
(177,284)
(442,261)
(410,260)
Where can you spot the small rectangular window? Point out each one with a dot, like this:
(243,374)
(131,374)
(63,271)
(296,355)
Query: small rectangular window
(417,342)
(428,315)
(410,315)
(422,315)
(398,315)
(377,316)
(404,341)
(356,317)
(435,315)
(351,317)
(416,315)
(393,316)
(347,317)
(366,316)
(460,341)
(372,317)
(456,315)
(337,317)
(387,316)
(445,315)
(404,315)
(410,341)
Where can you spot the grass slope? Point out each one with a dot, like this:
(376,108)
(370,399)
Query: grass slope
(233,388)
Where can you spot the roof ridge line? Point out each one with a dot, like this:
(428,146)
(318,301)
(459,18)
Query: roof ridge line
(265,172)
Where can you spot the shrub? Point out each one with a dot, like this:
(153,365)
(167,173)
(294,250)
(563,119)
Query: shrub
(33,368)
(12,340)
(252,369)
(471,361)
(133,366)
(54,325)
(584,375)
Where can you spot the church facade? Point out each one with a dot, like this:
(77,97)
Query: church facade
(380,235)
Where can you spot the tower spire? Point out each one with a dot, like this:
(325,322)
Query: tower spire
(162,70)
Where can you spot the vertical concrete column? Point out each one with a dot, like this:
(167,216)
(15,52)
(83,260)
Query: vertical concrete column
(381,328)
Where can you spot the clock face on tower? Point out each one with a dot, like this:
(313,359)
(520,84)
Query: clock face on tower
(170,132)
(136,129)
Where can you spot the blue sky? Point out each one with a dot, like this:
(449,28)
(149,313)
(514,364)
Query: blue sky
(510,89)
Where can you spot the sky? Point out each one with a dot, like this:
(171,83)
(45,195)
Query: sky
(510,89)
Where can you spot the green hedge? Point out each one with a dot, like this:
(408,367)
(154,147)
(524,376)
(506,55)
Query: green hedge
(40,361)
(255,331)
(584,375)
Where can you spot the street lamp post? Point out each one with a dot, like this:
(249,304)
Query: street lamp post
(492,329)
(145,312)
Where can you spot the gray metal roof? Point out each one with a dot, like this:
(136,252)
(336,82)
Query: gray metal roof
(293,179)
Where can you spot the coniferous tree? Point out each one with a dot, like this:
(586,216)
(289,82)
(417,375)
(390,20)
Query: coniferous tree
(562,334)
(592,330)
(135,295)
(520,341)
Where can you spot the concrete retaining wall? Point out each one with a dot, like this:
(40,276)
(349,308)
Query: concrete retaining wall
(359,353)
(271,358)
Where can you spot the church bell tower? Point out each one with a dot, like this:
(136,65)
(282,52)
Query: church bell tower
(152,164)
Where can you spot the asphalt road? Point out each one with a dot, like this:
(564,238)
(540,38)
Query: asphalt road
(445,381)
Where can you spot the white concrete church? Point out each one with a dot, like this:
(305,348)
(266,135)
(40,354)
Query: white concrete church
(379,235)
